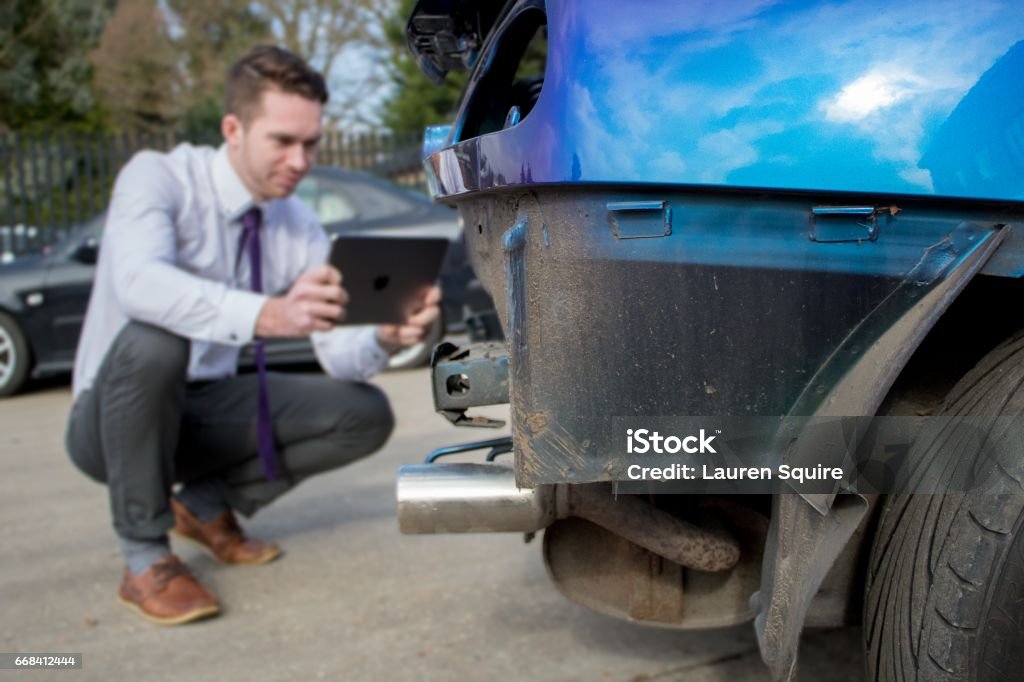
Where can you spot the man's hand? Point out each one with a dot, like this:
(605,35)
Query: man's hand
(315,302)
(394,337)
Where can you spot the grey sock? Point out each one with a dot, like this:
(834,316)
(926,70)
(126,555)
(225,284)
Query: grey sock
(204,498)
(141,554)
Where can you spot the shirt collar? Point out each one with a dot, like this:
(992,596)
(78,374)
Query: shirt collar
(232,196)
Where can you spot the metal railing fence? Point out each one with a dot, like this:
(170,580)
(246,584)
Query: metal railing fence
(51,182)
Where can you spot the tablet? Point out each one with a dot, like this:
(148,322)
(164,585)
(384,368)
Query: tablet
(386,277)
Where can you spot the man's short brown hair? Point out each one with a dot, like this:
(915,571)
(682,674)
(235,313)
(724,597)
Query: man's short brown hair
(267,67)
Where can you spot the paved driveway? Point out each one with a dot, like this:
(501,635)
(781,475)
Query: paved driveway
(352,600)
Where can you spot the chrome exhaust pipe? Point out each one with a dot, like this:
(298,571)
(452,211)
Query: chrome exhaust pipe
(484,498)
(469,498)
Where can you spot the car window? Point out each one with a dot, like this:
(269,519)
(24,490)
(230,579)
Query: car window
(91,229)
(376,203)
(327,198)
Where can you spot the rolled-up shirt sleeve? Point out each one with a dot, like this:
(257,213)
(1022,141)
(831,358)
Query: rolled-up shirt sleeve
(151,287)
(345,352)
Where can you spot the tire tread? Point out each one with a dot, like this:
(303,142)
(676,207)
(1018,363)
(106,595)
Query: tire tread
(936,557)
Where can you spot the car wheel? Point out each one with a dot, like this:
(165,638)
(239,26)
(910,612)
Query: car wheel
(945,588)
(418,355)
(14,356)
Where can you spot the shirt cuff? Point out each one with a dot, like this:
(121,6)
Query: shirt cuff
(376,353)
(236,325)
(350,353)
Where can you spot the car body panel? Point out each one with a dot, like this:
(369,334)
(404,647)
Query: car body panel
(21,296)
(915,98)
(689,323)
(67,290)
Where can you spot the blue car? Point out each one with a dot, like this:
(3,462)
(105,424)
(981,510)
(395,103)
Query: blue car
(796,227)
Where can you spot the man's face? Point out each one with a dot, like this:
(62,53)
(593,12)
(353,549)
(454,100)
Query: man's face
(275,149)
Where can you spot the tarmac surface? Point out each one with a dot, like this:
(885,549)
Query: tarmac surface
(352,599)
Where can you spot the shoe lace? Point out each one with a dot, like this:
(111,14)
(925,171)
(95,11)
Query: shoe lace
(167,571)
(231,524)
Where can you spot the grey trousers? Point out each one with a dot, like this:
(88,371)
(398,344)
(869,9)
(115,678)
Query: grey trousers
(141,428)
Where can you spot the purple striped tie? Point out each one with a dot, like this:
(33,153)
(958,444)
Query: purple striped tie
(251,221)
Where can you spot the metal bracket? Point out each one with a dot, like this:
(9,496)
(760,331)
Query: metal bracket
(831,224)
(469,377)
(639,219)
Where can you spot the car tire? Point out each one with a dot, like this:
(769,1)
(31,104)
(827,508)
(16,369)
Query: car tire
(945,586)
(418,355)
(14,356)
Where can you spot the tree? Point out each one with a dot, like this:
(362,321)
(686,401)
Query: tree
(45,74)
(415,101)
(137,77)
(212,35)
(345,40)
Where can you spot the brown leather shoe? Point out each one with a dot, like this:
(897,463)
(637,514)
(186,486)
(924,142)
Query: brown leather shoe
(222,538)
(167,594)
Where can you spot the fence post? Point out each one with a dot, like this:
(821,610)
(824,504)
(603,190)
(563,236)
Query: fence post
(61,144)
(6,155)
(37,183)
(336,147)
(47,226)
(79,174)
(100,171)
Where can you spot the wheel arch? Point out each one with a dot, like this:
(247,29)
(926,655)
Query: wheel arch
(890,369)
(986,312)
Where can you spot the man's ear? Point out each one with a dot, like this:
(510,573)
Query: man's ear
(231,129)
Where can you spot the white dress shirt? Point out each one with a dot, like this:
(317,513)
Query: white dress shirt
(168,257)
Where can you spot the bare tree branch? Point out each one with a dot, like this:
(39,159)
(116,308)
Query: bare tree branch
(326,31)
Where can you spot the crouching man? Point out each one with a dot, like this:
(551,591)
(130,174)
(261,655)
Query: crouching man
(204,251)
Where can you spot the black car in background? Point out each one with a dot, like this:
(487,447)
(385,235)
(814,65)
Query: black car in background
(43,297)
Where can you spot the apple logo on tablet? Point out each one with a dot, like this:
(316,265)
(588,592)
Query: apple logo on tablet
(380,282)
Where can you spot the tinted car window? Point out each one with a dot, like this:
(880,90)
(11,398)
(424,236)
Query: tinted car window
(327,198)
(376,204)
(91,229)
